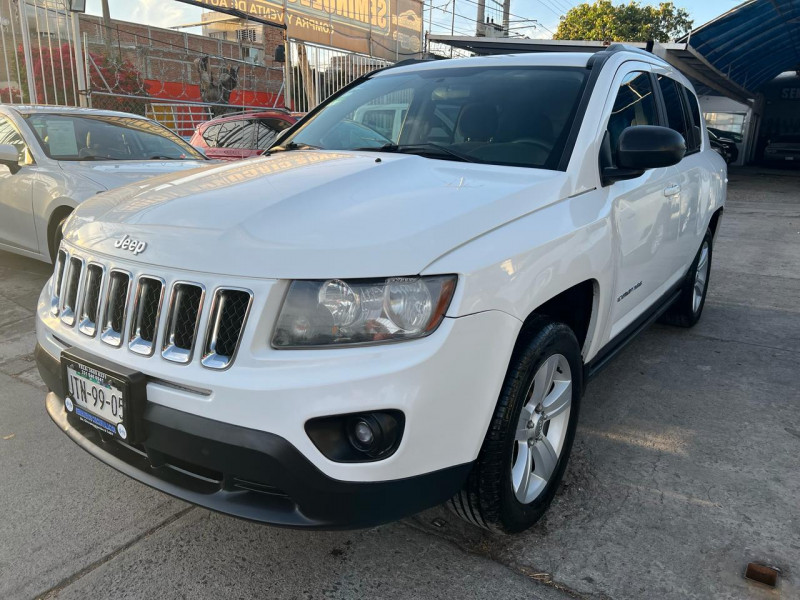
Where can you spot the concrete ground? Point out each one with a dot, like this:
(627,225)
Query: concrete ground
(685,468)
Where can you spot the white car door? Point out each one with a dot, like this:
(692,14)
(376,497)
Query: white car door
(645,210)
(17,227)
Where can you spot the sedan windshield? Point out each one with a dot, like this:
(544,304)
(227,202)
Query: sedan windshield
(102,137)
(517,116)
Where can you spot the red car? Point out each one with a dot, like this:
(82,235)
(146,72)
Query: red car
(243,134)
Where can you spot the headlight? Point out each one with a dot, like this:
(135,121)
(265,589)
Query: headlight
(362,311)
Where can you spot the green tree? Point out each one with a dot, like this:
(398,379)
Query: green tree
(633,22)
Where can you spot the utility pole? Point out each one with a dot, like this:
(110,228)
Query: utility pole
(453,27)
(506,15)
(480,28)
(107,28)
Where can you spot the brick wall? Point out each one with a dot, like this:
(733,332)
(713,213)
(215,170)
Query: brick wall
(163,55)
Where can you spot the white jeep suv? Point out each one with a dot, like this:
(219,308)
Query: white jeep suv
(357,327)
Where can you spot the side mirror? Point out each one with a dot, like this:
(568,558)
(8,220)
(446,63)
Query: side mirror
(9,156)
(643,147)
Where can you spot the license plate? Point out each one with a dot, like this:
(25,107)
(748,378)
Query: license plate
(101,395)
(789,157)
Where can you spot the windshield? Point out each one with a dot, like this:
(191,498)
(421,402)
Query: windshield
(74,137)
(517,116)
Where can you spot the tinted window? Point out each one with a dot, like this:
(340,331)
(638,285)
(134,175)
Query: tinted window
(697,123)
(237,134)
(268,130)
(500,115)
(72,137)
(9,135)
(672,102)
(634,105)
(210,135)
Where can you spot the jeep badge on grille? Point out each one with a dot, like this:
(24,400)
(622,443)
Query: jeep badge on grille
(128,243)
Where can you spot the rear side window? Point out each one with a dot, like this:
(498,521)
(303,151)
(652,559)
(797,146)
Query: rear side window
(210,135)
(237,134)
(697,123)
(268,130)
(634,105)
(676,119)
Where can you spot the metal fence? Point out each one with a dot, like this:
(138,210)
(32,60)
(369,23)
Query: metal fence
(38,38)
(316,72)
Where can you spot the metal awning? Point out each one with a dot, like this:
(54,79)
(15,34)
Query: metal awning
(679,54)
(752,43)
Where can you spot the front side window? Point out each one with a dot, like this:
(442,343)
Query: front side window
(517,116)
(634,105)
(96,137)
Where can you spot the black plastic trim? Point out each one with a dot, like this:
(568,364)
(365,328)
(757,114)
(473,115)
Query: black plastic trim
(205,462)
(627,335)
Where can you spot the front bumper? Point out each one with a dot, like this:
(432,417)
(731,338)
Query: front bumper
(244,472)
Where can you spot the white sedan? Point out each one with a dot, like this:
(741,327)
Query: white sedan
(52,158)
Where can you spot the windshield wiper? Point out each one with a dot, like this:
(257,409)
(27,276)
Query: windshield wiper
(292,146)
(421,149)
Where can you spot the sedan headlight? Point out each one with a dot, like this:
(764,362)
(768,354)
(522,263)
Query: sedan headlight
(362,311)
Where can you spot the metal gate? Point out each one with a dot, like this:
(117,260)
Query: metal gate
(316,72)
(38,59)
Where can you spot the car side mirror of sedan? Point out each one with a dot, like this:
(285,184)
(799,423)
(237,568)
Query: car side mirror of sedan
(9,156)
(643,147)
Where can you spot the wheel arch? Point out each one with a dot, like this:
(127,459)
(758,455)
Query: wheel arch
(61,211)
(575,306)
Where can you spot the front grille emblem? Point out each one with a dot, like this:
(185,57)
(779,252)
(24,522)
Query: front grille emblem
(126,242)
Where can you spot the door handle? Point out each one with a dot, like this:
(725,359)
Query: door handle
(672,190)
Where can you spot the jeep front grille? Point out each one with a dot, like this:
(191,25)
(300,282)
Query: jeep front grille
(116,308)
(90,305)
(185,305)
(146,310)
(70,290)
(229,311)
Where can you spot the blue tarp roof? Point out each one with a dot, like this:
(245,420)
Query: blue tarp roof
(754,42)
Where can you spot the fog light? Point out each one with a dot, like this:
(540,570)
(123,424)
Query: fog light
(374,434)
(363,433)
(357,437)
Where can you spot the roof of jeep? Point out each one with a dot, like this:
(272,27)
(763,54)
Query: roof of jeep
(526,59)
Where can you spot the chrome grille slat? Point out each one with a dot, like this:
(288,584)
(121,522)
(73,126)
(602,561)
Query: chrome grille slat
(229,310)
(146,313)
(183,319)
(116,306)
(71,288)
(90,304)
(58,278)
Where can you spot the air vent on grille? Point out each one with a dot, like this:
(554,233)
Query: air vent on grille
(58,279)
(115,310)
(70,290)
(146,310)
(225,323)
(182,319)
(90,305)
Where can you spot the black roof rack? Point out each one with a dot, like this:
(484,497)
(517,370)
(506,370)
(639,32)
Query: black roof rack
(606,53)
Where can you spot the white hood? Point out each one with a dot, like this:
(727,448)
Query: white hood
(113,174)
(312,214)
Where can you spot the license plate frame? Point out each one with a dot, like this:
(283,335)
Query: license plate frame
(131,384)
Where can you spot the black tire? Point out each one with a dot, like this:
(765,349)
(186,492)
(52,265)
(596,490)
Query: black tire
(488,499)
(683,312)
(55,238)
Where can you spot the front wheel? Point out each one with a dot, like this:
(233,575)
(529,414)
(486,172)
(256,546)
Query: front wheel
(530,436)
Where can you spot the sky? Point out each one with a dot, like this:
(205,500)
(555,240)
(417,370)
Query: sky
(168,13)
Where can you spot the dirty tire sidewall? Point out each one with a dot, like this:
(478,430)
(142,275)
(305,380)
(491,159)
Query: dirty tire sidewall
(488,499)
